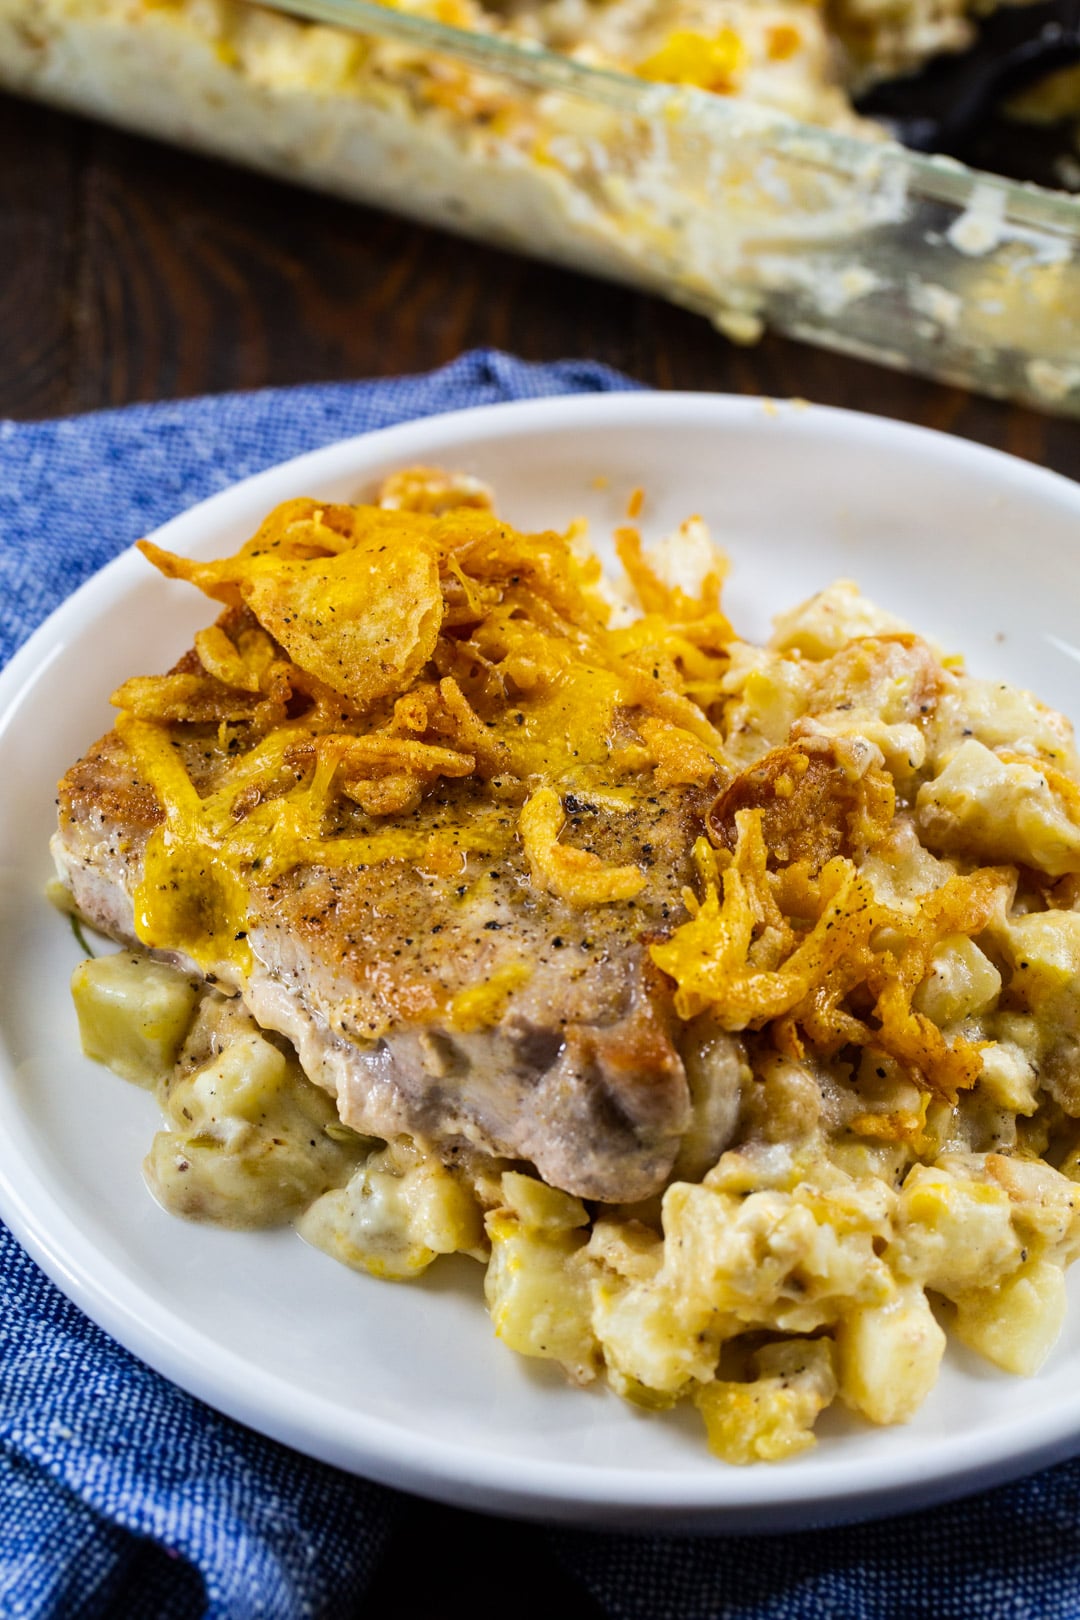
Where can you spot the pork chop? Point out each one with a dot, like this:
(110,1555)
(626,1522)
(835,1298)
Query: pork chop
(573,1064)
(431,977)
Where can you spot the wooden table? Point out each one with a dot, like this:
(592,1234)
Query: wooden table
(133,272)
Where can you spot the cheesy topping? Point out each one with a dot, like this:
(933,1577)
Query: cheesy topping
(369,653)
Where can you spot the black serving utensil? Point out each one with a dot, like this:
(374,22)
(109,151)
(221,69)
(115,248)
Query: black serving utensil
(952,105)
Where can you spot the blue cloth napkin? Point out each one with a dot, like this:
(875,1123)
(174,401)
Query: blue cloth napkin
(122,1496)
(75,492)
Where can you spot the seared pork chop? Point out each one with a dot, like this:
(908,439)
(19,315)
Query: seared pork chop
(572,1065)
(444,966)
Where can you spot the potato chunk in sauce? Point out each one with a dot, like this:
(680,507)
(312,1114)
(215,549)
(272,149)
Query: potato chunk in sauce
(249,1140)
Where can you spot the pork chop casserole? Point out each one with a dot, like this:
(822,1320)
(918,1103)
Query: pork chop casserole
(721,999)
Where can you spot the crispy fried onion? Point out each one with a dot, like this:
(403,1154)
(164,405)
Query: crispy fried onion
(236,678)
(450,715)
(670,597)
(346,599)
(680,759)
(431,489)
(384,774)
(818,798)
(575,875)
(189,697)
(847,979)
(366,653)
(244,663)
(365,622)
(364,599)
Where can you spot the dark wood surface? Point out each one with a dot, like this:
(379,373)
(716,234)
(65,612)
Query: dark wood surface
(133,272)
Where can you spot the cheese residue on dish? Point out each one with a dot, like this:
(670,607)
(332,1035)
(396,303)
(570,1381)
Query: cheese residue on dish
(745,217)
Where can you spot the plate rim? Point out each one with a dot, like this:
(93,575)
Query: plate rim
(555,1492)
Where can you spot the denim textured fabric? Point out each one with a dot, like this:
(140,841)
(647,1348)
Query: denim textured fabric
(1009,1554)
(122,1496)
(75,492)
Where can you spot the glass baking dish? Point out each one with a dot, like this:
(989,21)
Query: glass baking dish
(737,212)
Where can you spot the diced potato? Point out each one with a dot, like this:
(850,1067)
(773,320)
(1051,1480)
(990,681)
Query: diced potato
(953,1232)
(255,1142)
(754,1167)
(538,1296)
(722,1252)
(627,1248)
(648,1339)
(241,1084)
(541,1207)
(772,1259)
(1017,1324)
(899,866)
(983,808)
(962,982)
(821,626)
(766,694)
(133,1013)
(1045,1203)
(902,744)
(870,1156)
(885,1105)
(1009,1077)
(1021,1029)
(398,1212)
(785,1103)
(688,558)
(775,695)
(304,58)
(889,1356)
(773,1416)
(1045,951)
(1000,716)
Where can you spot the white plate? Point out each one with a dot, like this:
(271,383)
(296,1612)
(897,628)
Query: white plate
(406,1384)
